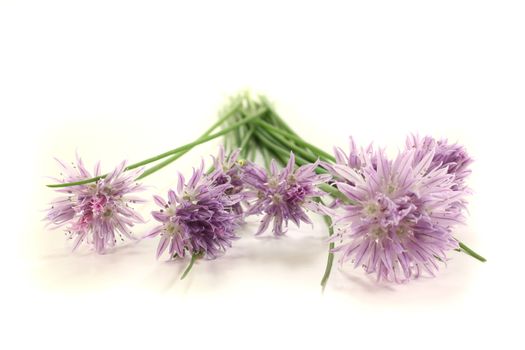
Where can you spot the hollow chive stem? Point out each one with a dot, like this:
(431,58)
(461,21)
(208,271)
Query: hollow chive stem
(190,265)
(266,157)
(253,154)
(221,120)
(298,140)
(296,149)
(331,245)
(208,131)
(237,136)
(271,152)
(198,142)
(232,137)
(175,154)
(334,192)
(245,142)
(271,143)
(276,116)
(282,152)
(464,248)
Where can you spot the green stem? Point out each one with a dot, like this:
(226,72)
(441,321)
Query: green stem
(293,147)
(270,142)
(334,192)
(276,116)
(266,157)
(244,143)
(253,153)
(277,123)
(228,138)
(227,141)
(279,157)
(236,134)
(198,142)
(330,259)
(298,140)
(221,120)
(464,248)
(176,153)
(192,261)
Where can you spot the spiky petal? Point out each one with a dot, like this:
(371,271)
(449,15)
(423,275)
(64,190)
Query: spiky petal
(198,218)
(282,196)
(401,223)
(453,157)
(229,169)
(96,212)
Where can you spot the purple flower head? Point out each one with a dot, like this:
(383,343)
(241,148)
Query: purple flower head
(282,196)
(357,157)
(454,157)
(197,218)
(399,224)
(96,212)
(229,170)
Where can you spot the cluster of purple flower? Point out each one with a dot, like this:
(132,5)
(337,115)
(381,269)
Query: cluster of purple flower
(402,211)
(199,217)
(284,195)
(96,212)
(202,216)
(396,221)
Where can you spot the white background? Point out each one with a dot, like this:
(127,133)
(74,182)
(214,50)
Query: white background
(127,80)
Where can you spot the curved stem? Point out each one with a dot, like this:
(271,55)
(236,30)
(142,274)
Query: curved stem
(175,154)
(220,121)
(192,261)
(298,151)
(320,153)
(244,143)
(266,157)
(464,248)
(253,152)
(198,142)
(334,192)
(330,259)
(271,152)
(270,142)
(276,116)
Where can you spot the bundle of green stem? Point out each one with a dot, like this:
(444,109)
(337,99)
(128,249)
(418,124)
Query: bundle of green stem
(256,129)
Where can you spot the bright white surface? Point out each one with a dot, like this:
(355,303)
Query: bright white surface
(128,80)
